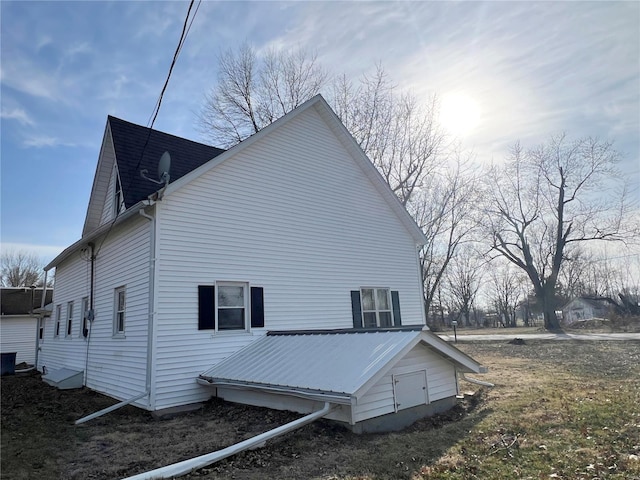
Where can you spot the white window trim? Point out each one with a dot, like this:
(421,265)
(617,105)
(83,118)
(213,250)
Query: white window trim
(56,326)
(247,318)
(116,296)
(68,332)
(377,310)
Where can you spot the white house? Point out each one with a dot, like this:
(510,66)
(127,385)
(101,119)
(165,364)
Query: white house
(19,320)
(292,230)
(585,308)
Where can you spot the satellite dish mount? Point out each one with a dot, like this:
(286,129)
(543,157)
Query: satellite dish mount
(164,165)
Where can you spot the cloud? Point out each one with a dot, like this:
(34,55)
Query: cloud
(17,114)
(42,141)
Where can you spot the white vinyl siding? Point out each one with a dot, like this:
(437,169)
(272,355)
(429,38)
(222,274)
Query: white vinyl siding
(18,334)
(109,208)
(292,213)
(441,382)
(114,366)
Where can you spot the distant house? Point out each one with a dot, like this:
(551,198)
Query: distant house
(585,308)
(281,272)
(19,320)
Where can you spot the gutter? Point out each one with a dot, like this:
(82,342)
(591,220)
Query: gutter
(317,395)
(187,466)
(70,250)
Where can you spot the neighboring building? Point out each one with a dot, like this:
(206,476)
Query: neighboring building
(20,307)
(585,308)
(292,230)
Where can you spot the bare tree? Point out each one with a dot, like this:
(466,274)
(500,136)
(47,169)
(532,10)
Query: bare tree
(505,292)
(544,200)
(254,91)
(20,269)
(399,134)
(445,209)
(463,282)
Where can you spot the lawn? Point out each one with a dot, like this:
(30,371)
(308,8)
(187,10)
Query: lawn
(567,410)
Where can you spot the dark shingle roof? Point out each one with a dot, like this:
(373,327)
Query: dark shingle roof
(129,141)
(17,300)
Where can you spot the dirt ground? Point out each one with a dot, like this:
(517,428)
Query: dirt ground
(40,441)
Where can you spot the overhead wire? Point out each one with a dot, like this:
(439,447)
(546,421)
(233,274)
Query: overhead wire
(186,27)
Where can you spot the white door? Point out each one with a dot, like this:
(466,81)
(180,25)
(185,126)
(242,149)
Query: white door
(410,389)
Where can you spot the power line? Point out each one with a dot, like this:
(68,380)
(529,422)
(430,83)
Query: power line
(186,27)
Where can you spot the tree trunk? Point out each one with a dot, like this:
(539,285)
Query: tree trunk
(548,309)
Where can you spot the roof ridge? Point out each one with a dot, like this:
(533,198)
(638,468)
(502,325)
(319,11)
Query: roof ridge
(112,117)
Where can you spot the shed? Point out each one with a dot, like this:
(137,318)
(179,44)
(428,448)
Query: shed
(380,379)
(20,319)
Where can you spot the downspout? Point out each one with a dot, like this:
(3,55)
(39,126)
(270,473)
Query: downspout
(187,466)
(41,316)
(90,313)
(147,391)
(152,271)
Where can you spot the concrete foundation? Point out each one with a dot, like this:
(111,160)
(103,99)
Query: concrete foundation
(397,421)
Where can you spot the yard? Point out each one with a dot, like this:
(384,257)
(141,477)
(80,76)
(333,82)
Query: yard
(568,410)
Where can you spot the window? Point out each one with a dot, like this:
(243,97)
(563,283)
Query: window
(40,328)
(56,330)
(231,311)
(84,311)
(375,308)
(117,196)
(119,312)
(69,318)
(230,306)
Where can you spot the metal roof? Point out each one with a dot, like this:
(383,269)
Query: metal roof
(337,363)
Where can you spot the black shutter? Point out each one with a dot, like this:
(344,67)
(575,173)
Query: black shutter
(206,307)
(395,302)
(257,307)
(356,309)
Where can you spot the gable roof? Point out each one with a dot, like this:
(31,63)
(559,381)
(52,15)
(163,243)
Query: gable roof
(18,300)
(124,144)
(138,148)
(338,363)
(347,141)
(134,148)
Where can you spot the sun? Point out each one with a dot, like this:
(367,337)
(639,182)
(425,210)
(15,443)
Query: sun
(459,114)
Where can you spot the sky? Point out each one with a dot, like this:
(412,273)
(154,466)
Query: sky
(506,72)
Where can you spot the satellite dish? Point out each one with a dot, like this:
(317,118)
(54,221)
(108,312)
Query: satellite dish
(164,166)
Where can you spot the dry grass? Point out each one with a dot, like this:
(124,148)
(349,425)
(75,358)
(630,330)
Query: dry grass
(558,410)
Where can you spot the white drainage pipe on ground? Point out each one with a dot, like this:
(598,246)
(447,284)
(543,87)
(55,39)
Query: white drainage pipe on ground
(476,381)
(187,466)
(104,411)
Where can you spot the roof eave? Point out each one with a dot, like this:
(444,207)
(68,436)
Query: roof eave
(101,230)
(309,394)
(463,361)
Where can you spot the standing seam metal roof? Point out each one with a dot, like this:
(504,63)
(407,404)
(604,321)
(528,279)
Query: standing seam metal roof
(327,362)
